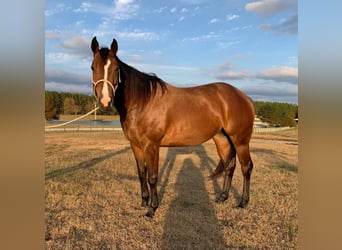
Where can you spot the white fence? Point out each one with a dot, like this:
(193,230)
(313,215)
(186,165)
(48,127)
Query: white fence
(78,129)
(119,129)
(267,130)
(63,128)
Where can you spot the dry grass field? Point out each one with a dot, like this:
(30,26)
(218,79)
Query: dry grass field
(92,194)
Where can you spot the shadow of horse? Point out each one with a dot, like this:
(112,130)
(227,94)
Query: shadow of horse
(206,163)
(191,221)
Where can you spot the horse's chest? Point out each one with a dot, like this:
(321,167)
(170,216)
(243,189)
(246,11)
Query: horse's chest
(142,131)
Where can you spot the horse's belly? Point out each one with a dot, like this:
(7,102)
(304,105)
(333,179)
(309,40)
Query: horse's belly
(188,135)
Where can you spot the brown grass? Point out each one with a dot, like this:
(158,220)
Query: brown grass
(92,194)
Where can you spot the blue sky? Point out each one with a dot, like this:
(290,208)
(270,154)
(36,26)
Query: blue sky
(249,44)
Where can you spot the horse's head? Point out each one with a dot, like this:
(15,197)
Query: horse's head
(106,74)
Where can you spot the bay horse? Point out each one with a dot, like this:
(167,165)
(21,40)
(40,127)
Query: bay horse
(155,114)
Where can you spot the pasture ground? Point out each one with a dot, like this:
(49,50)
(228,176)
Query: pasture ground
(92,194)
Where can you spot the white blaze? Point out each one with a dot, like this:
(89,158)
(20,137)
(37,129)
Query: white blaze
(105,90)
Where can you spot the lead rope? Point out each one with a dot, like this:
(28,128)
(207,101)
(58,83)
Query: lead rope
(92,111)
(78,118)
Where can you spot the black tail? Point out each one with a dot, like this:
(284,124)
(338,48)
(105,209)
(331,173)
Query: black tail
(223,165)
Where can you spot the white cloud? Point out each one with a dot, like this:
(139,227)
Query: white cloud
(78,24)
(75,42)
(78,45)
(214,20)
(288,93)
(65,77)
(135,58)
(225,66)
(283,74)
(83,8)
(58,58)
(124,9)
(49,34)
(292,60)
(69,88)
(159,67)
(225,72)
(161,9)
(181,19)
(121,10)
(124,1)
(58,9)
(271,7)
(157,52)
(231,17)
(225,44)
(286,26)
(173,10)
(73,53)
(233,75)
(204,37)
(138,35)
(192,2)
(280,74)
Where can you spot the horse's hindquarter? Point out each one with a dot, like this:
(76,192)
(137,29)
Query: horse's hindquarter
(196,114)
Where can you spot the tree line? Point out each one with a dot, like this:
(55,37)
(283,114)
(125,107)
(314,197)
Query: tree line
(57,103)
(277,113)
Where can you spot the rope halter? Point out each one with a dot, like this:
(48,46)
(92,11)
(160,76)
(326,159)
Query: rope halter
(109,83)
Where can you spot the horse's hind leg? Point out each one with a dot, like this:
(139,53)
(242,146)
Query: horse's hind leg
(227,163)
(228,176)
(246,168)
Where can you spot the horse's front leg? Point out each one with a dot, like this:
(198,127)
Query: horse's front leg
(142,172)
(151,154)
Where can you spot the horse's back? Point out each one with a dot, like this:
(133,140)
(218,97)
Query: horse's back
(221,96)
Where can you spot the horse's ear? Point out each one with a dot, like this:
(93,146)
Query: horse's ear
(114,46)
(94,45)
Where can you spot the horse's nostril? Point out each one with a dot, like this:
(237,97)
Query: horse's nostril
(105,101)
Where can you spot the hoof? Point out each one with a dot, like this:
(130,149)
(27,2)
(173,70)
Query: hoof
(243,204)
(221,199)
(150,213)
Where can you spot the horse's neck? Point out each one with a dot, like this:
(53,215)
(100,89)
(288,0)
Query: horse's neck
(120,102)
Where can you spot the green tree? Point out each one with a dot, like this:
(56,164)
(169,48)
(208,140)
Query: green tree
(277,114)
(53,105)
(89,106)
(50,106)
(70,106)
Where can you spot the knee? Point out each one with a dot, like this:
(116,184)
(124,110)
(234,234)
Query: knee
(250,167)
(247,169)
(153,180)
(142,171)
(231,164)
(142,176)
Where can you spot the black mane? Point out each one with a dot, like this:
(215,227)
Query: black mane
(141,87)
